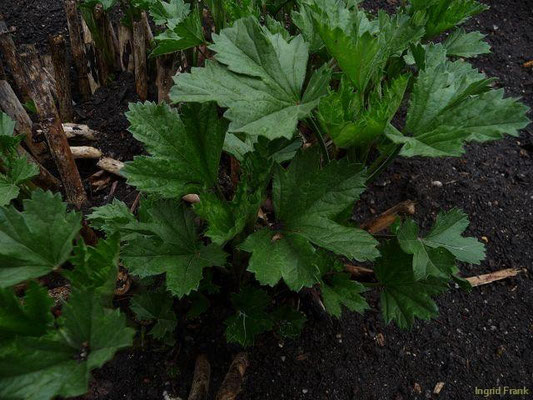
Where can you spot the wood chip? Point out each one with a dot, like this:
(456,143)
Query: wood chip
(493,276)
(380,339)
(111,165)
(85,152)
(528,64)
(387,218)
(438,387)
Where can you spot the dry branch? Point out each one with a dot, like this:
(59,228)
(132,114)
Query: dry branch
(62,77)
(357,271)
(77,48)
(52,128)
(7,46)
(85,152)
(139,51)
(231,386)
(386,219)
(493,276)
(10,104)
(200,380)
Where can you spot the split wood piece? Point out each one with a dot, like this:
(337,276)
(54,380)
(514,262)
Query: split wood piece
(99,180)
(78,48)
(8,49)
(166,69)
(149,36)
(387,218)
(2,71)
(111,165)
(200,380)
(85,152)
(139,51)
(528,64)
(231,386)
(107,35)
(494,276)
(79,131)
(104,58)
(11,105)
(125,40)
(45,179)
(49,74)
(62,76)
(357,271)
(90,51)
(52,128)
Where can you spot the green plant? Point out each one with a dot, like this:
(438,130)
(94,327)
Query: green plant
(309,119)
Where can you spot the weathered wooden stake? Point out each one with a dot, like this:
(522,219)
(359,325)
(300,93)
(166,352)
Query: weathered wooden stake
(125,39)
(2,71)
(77,48)
(200,380)
(166,69)
(48,74)
(149,36)
(231,386)
(52,128)
(62,77)
(10,104)
(107,34)
(139,51)
(90,50)
(7,46)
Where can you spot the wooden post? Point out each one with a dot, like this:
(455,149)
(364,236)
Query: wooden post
(139,51)
(10,104)
(200,380)
(52,127)
(62,77)
(166,69)
(77,48)
(125,39)
(7,46)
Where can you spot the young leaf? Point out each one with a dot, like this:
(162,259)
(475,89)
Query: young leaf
(171,13)
(452,103)
(96,267)
(172,248)
(403,297)
(184,35)
(306,201)
(227,219)
(288,322)
(185,151)
(59,364)
(36,241)
(251,319)
(442,15)
(258,76)
(112,218)
(339,290)
(156,306)
(447,232)
(462,44)
(32,317)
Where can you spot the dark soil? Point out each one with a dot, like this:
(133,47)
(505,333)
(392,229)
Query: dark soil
(481,339)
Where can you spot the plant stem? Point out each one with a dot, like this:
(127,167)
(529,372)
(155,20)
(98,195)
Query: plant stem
(320,138)
(382,163)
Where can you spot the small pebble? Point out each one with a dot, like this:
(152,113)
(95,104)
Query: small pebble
(304,391)
(437,183)
(283,358)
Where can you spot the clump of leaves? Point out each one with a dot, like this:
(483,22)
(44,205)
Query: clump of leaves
(278,135)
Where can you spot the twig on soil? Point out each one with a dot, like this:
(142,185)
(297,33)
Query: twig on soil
(200,380)
(11,105)
(77,48)
(135,204)
(493,276)
(231,386)
(62,77)
(52,128)
(387,218)
(139,51)
(85,152)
